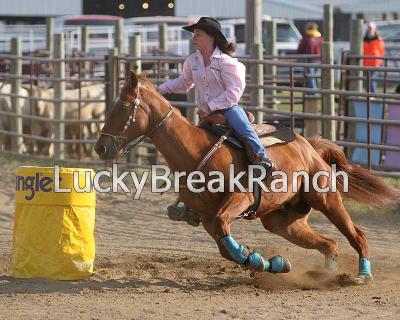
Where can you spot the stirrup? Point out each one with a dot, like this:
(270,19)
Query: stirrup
(267,164)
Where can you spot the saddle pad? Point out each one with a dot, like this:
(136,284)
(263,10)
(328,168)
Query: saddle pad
(272,134)
(282,135)
(263,129)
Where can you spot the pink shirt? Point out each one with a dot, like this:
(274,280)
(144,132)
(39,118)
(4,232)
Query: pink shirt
(219,85)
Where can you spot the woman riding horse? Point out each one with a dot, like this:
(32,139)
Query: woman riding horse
(219,82)
(139,111)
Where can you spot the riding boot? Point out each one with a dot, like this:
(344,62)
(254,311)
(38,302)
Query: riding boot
(259,159)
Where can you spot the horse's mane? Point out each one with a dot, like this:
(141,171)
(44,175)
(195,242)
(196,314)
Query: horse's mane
(143,80)
(147,84)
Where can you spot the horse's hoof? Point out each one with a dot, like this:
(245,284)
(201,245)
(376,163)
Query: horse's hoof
(279,264)
(192,218)
(176,213)
(330,264)
(363,279)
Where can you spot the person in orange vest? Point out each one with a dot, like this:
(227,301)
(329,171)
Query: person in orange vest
(373,46)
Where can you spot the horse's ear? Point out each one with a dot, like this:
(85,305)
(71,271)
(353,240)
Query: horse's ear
(133,79)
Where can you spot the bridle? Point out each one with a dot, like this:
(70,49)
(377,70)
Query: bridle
(122,137)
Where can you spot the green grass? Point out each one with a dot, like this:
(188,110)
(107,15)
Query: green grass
(285,106)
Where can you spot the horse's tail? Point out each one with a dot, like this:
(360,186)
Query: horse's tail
(363,186)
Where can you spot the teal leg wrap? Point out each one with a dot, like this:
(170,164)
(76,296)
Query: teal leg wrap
(278,265)
(364,268)
(254,260)
(257,262)
(237,251)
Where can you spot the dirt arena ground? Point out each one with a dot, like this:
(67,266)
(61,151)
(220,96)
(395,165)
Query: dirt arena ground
(148,267)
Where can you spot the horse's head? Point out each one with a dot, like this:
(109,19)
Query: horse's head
(131,117)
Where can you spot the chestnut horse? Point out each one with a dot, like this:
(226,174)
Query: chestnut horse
(139,110)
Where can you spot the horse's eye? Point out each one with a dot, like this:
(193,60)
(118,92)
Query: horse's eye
(123,108)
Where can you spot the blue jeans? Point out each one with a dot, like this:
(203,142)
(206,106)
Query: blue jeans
(238,121)
(311,82)
(374,83)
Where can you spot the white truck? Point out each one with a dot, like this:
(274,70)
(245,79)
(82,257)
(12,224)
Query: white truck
(287,35)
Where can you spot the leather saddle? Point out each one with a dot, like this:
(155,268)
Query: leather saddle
(270,134)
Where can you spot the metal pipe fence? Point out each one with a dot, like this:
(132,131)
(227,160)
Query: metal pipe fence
(35,83)
(291,101)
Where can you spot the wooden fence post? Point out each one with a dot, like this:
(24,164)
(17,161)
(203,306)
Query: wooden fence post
(119,43)
(135,50)
(270,50)
(85,39)
(137,154)
(311,104)
(256,52)
(85,50)
(327,75)
(191,113)
(16,70)
(111,78)
(119,35)
(248,27)
(163,44)
(50,35)
(356,48)
(163,36)
(328,23)
(59,88)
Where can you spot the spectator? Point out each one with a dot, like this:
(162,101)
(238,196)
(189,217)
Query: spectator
(373,46)
(311,44)
(74,66)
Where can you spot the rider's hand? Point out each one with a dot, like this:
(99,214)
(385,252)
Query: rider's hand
(203,113)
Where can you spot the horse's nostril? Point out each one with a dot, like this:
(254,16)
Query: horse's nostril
(100,149)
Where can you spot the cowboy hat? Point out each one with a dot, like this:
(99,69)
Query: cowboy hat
(209,25)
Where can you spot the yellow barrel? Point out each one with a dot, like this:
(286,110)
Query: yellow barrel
(54,231)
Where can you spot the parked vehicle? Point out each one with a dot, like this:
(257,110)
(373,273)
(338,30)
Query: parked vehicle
(148,27)
(389,30)
(84,20)
(288,36)
(169,20)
